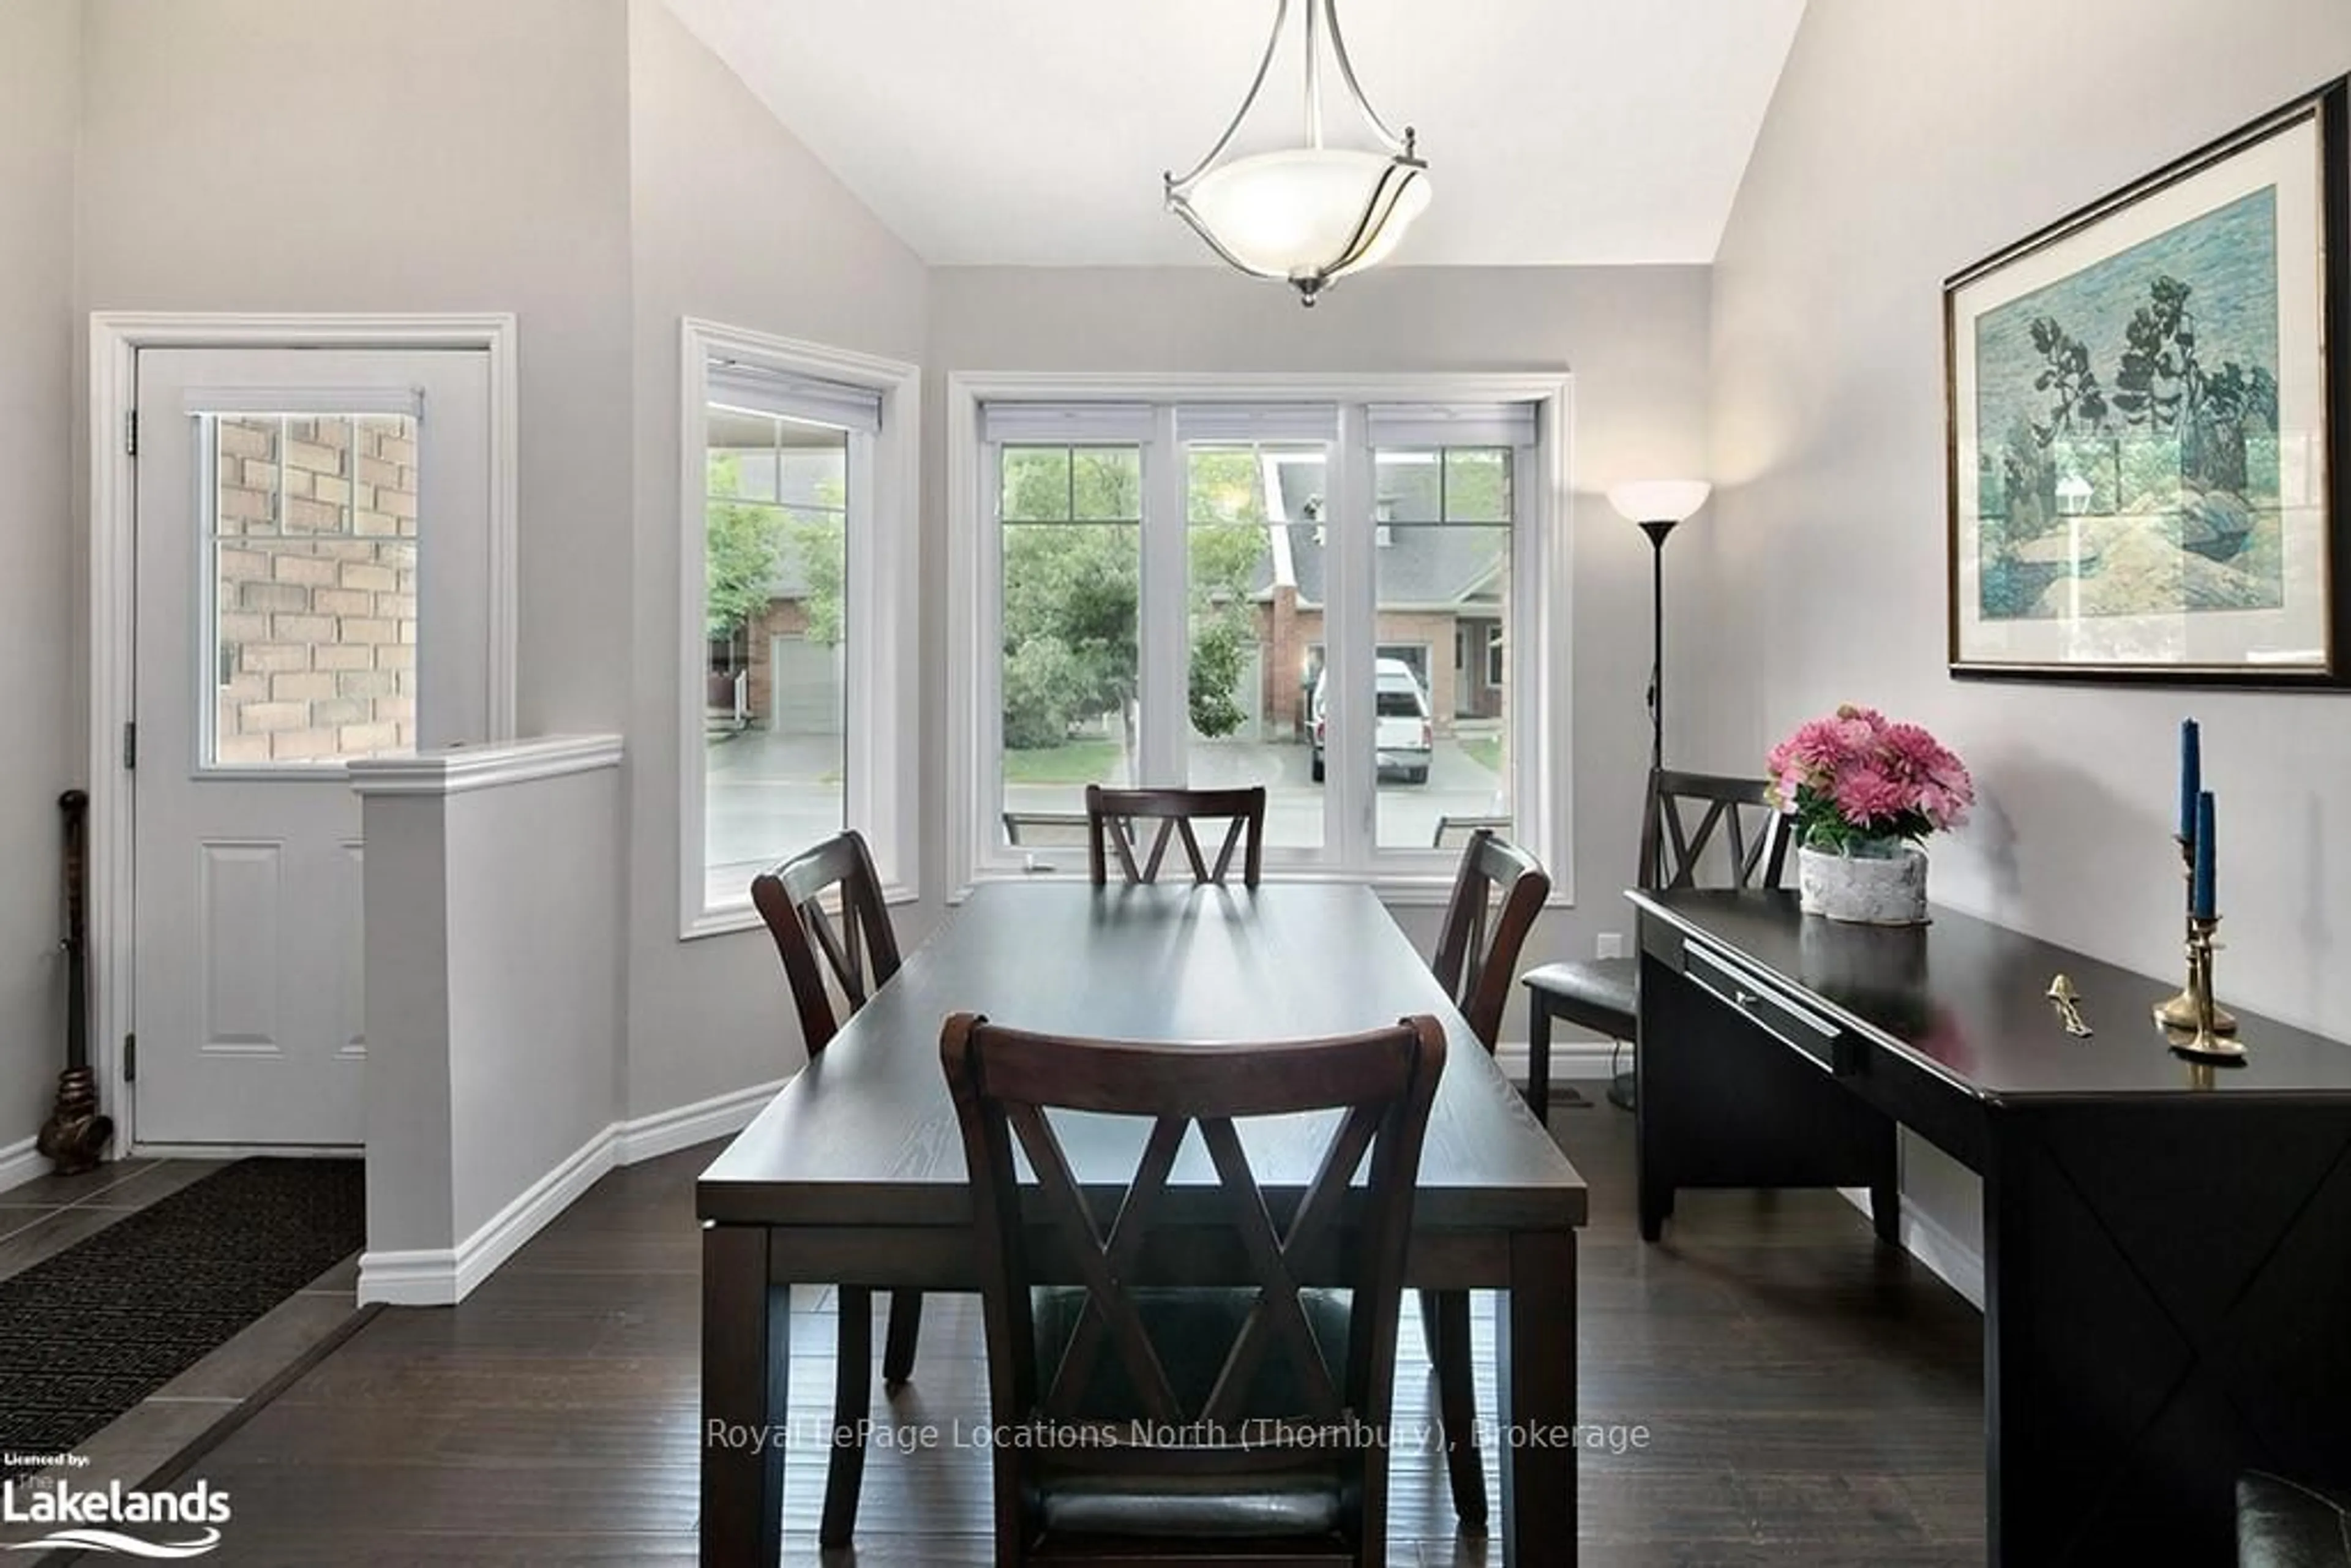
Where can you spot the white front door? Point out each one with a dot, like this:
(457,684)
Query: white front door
(312,585)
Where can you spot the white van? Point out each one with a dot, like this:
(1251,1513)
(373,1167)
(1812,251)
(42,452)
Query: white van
(1403,733)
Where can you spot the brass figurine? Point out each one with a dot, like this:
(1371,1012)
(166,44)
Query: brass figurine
(2069,1011)
(2180,1012)
(2205,1042)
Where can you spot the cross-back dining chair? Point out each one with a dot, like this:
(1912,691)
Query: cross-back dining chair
(1112,816)
(1696,829)
(1263,1406)
(1497,894)
(858,954)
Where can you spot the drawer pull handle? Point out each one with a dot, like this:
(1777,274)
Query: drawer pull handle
(1746,998)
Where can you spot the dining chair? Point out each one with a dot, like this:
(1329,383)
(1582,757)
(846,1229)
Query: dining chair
(1138,1418)
(1680,820)
(1112,814)
(1497,894)
(858,955)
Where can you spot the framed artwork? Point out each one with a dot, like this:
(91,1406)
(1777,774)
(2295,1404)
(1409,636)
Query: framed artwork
(2147,408)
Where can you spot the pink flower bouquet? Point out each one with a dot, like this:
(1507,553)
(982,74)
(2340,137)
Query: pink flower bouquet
(1858,784)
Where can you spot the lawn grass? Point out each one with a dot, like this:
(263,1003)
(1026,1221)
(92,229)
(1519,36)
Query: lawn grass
(1074,762)
(1486,750)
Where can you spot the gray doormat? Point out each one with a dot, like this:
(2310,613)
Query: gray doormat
(89,1334)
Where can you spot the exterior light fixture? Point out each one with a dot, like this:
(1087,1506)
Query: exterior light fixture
(1307,215)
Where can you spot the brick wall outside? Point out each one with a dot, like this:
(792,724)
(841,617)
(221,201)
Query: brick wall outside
(782,617)
(1289,632)
(315,605)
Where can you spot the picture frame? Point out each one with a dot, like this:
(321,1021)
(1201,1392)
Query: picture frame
(2147,404)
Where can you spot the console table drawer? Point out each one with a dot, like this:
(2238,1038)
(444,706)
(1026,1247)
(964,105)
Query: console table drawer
(1771,1009)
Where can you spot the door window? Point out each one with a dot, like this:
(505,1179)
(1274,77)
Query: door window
(309,599)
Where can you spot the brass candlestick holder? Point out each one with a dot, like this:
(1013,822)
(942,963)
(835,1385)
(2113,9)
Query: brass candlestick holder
(2204,1041)
(2181,1011)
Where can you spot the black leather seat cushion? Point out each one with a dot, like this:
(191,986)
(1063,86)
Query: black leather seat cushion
(1598,993)
(2284,1524)
(1192,1331)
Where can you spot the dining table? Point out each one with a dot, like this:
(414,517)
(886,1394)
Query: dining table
(853,1174)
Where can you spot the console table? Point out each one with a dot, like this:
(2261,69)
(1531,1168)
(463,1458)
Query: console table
(2166,1246)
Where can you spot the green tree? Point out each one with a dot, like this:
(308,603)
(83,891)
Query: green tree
(1228,539)
(1071,596)
(1072,587)
(820,543)
(740,547)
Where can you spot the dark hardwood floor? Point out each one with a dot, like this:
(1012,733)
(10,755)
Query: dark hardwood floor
(1808,1397)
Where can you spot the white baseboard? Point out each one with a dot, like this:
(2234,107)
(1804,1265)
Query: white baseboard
(666,1132)
(1930,1241)
(440,1277)
(20,1162)
(1571,1061)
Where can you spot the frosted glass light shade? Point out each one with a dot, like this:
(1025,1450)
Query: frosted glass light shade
(1659,500)
(1293,214)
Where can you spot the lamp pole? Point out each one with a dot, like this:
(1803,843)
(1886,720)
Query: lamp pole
(1657,528)
(1658,506)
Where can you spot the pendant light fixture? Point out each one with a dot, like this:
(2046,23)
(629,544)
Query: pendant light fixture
(1312,214)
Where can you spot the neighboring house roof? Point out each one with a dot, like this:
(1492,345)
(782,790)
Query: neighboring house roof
(1417,566)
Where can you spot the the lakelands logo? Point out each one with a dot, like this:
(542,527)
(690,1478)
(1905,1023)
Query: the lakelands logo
(168,1524)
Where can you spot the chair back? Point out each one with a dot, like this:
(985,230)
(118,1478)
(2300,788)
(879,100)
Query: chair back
(1497,894)
(859,954)
(1159,1250)
(1679,821)
(1111,816)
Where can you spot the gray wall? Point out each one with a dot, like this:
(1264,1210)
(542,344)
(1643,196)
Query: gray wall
(432,155)
(803,259)
(535,1038)
(405,902)
(40,43)
(1636,340)
(495,1023)
(1905,141)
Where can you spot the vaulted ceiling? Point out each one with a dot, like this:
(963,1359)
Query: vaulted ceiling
(1034,131)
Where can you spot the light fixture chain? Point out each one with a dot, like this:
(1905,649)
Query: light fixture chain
(1313,78)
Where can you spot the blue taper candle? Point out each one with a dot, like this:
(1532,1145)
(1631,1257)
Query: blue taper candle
(2201,904)
(2191,777)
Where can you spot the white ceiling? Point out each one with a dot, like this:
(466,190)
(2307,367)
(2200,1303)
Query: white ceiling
(1034,131)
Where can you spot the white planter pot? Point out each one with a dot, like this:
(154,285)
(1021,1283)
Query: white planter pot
(1867,890)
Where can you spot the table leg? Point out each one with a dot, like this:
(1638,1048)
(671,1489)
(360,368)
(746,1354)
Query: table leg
(1535,1352)
(746,1373)
(1538,1057)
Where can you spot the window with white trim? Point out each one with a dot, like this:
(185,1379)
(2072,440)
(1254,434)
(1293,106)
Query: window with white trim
(1309,595)
(796,706)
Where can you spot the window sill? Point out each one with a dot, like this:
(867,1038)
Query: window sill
(730,919)
(1400,890)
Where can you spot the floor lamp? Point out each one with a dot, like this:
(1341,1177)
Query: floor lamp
(1658,505)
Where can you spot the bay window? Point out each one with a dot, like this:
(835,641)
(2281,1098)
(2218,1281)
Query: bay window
(1214,587)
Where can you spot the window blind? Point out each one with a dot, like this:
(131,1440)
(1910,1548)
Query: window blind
(1451,423)
(1049,422)
(1258,422)
(759,390)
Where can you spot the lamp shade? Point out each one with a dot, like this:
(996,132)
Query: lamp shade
(1659,500)
(1297,214)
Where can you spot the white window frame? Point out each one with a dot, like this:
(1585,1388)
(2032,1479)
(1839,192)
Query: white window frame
(882,611)
(1541,696)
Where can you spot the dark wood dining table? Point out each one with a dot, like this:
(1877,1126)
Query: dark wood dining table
(853,1174)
